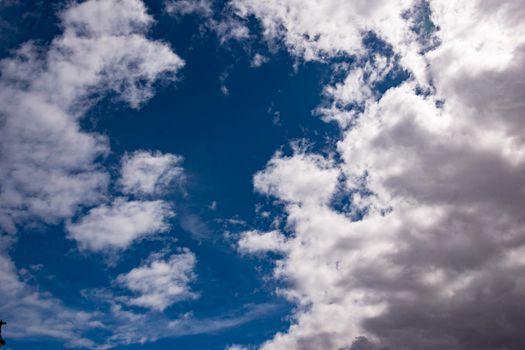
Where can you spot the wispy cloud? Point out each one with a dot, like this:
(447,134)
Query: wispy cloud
(148,173)
(154,326)
(34,314)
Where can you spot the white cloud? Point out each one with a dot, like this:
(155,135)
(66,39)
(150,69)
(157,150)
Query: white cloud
(303,178)
(161,283)
(235,347)
(186,7)
(229,27)
(436,177)
(258,60)
(149,173)
(117,225)
(103,17)
(314,29)
(355,90)
(48,164)
(255,241)
(31,313)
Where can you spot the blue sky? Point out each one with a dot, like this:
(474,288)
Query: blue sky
(248,174)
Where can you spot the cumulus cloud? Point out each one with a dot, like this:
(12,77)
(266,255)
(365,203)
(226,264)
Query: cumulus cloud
(117,225)
(146,173)
(428,253)
(161,282)
(48,163)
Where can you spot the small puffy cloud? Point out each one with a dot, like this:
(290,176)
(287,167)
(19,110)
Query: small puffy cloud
(255,241)
(146,173)
(161,282)
(258,60)
(117,225)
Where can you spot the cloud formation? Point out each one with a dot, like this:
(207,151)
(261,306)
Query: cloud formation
(147,173)
(117,225)
(255,241)
(427,254)
(224,23)
(187,7)
(48,164)
(161,282)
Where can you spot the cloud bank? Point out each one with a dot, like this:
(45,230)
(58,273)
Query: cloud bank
(428,252)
